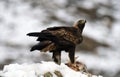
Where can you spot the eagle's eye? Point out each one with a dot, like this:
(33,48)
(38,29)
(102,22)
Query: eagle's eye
(82,21)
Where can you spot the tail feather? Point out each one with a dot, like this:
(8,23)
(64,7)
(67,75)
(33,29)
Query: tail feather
(49,37)
(36,34)
(40,46)
(44,36)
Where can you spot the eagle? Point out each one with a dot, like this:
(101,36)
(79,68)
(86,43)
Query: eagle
(57,39)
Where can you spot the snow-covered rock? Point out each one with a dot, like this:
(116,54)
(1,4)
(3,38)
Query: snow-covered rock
(43,69)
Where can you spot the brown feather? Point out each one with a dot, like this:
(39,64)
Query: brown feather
(50,47)
(66,33)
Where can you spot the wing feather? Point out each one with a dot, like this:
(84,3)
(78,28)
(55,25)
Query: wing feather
(65,33)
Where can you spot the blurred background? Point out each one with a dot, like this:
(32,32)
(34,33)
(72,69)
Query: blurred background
(100,50)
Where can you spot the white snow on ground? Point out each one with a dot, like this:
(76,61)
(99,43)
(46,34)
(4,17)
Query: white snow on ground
(38,69)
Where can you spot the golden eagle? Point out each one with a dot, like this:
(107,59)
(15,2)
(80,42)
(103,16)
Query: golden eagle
(56,39)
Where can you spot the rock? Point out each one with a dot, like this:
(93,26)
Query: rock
(58,73)
(90,44)
(48,74)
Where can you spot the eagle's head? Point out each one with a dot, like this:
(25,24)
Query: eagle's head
(80,24)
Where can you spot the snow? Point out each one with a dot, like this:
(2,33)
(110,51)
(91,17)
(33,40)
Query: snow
(103,61)
(38,70)
(14,22)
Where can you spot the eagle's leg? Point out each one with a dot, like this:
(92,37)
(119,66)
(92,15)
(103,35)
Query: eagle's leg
(71,52)
(57,56)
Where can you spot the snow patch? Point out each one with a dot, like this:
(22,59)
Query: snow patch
(38,70)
